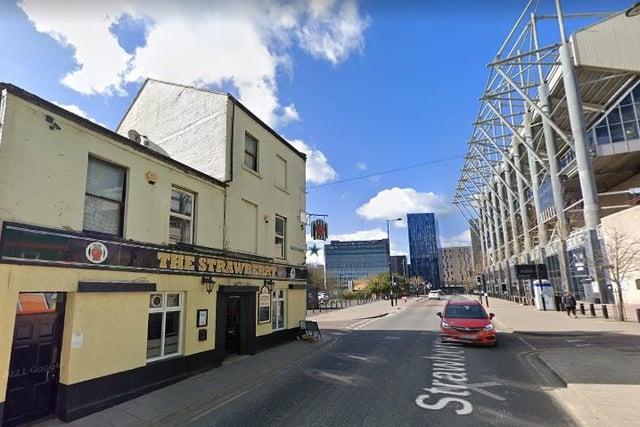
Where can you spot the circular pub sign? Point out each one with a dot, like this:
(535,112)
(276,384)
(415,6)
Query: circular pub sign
(96,252)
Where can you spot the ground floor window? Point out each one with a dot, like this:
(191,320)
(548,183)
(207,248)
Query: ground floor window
(278,310)
(164,330)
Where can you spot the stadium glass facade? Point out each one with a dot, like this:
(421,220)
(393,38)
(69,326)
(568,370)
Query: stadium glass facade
(423,247)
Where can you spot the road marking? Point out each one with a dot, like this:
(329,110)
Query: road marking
(479,388)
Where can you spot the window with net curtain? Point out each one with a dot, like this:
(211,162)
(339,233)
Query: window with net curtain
(280,236)
(181,216)
(104,198)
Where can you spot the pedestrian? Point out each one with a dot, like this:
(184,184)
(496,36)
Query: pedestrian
(569,303)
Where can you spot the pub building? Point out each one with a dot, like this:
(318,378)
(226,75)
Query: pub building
(125,267)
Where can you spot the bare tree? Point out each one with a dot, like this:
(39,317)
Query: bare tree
(622,258)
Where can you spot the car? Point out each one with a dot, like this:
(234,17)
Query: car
(466,321)
(433,295)
(323,297)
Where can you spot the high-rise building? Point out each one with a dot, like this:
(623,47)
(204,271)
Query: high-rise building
(456,266)
(353,260)
(423,247)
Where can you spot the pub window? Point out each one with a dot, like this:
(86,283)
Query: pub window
(181,216)
(104,198)
(251,152)
(164,329)
(278,310)
(281,226)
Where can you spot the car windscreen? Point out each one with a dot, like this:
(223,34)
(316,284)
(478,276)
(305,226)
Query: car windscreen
(465,312)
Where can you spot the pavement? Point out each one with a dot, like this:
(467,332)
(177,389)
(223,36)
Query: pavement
(602,383)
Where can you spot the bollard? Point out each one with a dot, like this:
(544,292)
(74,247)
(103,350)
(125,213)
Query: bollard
(605,313)
(582,309)
(592,310)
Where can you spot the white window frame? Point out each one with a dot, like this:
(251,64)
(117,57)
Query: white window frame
(280,237)
(181,216)
(163,309)
(279,299)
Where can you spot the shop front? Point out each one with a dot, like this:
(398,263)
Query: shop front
(87,323)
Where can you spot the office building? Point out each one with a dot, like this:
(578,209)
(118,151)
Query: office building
(423,247)
(456,266)
(356,260)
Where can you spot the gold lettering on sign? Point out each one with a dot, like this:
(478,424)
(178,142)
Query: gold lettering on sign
(177,262)
(181,262)
(163,259)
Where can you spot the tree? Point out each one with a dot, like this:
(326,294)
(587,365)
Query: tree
(315,276)
(621,259)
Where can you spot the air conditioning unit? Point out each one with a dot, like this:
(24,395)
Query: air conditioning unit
(156,301)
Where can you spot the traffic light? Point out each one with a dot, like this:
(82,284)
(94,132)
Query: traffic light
(479,280)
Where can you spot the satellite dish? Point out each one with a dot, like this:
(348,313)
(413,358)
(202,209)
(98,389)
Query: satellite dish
(134,135)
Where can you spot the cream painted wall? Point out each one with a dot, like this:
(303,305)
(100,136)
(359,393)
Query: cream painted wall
(43,179)
(109,322)
(192,125)
(113,327)
(296,307)
(261,189)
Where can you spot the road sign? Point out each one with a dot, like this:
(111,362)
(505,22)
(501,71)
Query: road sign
(531,271)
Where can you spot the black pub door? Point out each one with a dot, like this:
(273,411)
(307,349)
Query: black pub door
(236,320)
(232,324)
(34,366)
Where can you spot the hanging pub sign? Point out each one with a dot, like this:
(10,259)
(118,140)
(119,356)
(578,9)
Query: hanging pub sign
(319,230)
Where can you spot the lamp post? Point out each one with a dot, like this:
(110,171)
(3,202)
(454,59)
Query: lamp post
(389,259)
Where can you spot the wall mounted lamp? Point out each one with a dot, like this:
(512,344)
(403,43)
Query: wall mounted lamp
(268,283)
(209,283)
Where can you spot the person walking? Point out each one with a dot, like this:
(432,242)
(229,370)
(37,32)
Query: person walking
(569,303)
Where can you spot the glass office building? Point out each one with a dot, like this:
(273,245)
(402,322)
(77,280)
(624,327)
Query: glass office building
(423,247)
(356,260)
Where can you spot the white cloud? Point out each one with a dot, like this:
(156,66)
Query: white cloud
(101,61)
(396,202)
(333,30)
(318,169)
(244,44)
(462,239)
(78,112)
(361,166)
(290,114)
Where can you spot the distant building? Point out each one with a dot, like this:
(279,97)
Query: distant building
(456,267)
(423,247)
(399,265)
(354,260)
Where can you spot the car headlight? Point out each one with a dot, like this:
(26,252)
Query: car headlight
(489,327)
(445,325)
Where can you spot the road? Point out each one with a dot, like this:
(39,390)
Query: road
(394,371)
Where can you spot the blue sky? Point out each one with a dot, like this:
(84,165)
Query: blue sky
(380,95)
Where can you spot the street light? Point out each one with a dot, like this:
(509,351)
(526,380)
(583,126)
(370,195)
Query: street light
(389,258)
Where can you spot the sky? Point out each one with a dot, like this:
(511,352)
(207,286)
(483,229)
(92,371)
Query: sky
(380,95)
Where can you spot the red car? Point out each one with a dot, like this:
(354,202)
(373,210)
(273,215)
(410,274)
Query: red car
(466,321)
